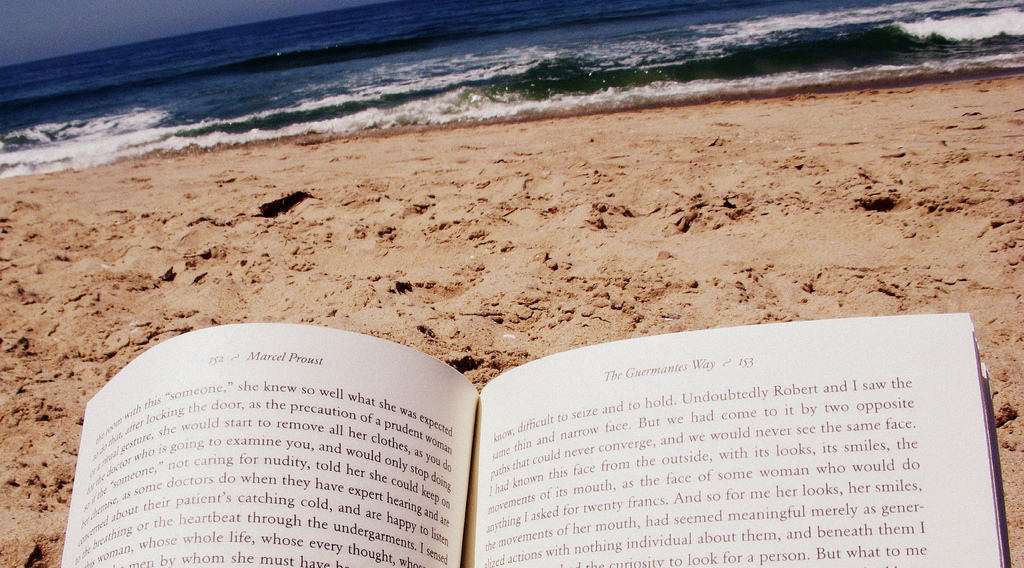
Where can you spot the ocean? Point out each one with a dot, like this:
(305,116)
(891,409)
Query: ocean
(412,63)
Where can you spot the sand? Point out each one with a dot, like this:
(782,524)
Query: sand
(494,245)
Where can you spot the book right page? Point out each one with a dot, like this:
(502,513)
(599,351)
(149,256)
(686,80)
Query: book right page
(856,442)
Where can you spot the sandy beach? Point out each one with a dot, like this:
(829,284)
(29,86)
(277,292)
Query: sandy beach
(494,245)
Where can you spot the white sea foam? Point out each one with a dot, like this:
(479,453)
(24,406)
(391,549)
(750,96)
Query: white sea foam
(464,105)
(748,32)
(428,75)
(80,144)
(709,40)
(638,53)
(469,106)
(1009,22)
(703,90)
(101,126)
(440,73)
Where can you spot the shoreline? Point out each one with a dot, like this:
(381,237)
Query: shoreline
(491,245)
(886,83)
(782,93)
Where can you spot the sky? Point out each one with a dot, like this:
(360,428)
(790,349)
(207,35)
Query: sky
(40,29)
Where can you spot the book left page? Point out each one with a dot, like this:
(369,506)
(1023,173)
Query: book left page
(274,445)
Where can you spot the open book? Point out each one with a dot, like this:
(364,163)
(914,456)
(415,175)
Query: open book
(856,442)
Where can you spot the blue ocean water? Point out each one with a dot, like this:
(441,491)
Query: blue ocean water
(415,63)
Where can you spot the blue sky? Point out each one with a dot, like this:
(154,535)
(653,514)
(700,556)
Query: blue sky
(38,29)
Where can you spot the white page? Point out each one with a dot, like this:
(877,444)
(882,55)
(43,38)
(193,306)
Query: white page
(651,486)
(274,445)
